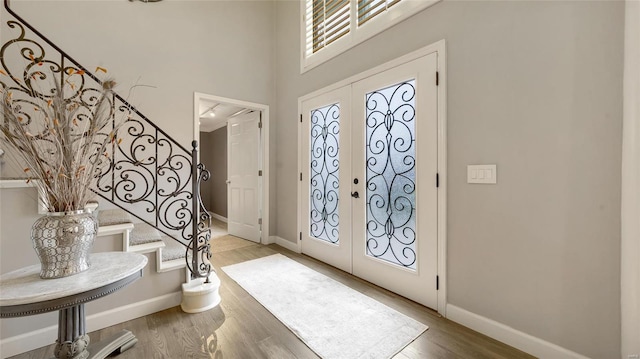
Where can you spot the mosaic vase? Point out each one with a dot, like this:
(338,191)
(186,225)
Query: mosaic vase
(63,242)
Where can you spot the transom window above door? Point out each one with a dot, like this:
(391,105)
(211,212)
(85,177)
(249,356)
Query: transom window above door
(330,27)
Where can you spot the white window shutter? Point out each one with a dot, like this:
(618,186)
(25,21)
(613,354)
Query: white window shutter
(326,21)
(368,9)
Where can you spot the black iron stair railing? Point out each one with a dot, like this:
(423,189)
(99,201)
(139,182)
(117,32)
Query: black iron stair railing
(149,174)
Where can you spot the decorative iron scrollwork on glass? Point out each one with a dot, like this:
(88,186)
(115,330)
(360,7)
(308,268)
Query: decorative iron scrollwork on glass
(325,163)
(390,163)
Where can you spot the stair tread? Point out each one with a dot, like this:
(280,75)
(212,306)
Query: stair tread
(143,233)
(114,229)
(173,250)
(146,247)
(173,264)
(107,217)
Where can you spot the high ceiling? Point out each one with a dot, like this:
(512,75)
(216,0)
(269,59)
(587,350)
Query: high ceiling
(214,115)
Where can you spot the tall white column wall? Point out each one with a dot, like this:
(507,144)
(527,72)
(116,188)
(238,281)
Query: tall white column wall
(630,246)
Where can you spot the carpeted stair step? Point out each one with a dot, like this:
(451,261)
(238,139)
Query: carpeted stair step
(143,233)
(136,237)
(110,217)
(171,256)
(144,239)
(114,221)
(172,250)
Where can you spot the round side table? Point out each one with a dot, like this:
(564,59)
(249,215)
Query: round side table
(23,292)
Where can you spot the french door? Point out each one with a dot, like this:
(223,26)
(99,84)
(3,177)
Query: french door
(326,137)
(395,152)
(369,195)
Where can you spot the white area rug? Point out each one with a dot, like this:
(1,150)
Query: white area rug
(334,320)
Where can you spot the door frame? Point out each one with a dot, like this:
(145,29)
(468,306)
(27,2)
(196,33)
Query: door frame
(440,49)
(264,139)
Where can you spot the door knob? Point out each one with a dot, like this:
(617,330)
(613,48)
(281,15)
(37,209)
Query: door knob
(355,194)
(228,181)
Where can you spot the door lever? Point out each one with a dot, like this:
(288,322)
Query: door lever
(355,194)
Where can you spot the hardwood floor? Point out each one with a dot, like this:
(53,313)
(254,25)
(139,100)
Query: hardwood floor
(241,328)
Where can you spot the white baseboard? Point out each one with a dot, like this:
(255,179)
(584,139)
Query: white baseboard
(284,243)
(132,311)
(29,341)
(218,217)
(517,339)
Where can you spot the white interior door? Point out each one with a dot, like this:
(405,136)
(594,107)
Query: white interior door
(395,158)
(243,177)
(326,175)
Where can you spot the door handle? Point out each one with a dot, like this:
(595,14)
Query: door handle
(228,181)
(355,194)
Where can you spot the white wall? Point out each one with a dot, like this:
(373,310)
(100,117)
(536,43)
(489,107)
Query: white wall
(536,88)
(630,247)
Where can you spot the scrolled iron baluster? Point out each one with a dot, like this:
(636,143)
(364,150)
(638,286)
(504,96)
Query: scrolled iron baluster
(200,244)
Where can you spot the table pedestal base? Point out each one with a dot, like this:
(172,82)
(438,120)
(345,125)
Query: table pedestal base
(76,349)
(115,344)
(73,340)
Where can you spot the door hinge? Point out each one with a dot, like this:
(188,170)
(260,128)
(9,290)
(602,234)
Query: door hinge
(260,124)
(300,118)
(437,78)
(437,180)
(260,221)
(437,282)
(259,173)
(300,176)
(300,235)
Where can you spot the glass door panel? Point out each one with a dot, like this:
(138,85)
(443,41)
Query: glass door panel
(391,161)
(325,166)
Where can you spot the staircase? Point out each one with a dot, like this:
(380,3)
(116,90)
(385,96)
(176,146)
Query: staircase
(152,183)
(142,238)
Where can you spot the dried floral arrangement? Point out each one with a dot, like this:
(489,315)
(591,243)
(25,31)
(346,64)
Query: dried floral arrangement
(62,139)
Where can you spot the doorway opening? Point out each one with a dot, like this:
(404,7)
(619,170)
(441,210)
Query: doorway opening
(233,145)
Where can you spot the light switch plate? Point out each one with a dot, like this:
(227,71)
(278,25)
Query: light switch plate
(484,174)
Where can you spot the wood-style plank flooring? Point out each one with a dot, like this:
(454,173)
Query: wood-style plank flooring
(241,328)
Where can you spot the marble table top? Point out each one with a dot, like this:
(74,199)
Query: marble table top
(24,286)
